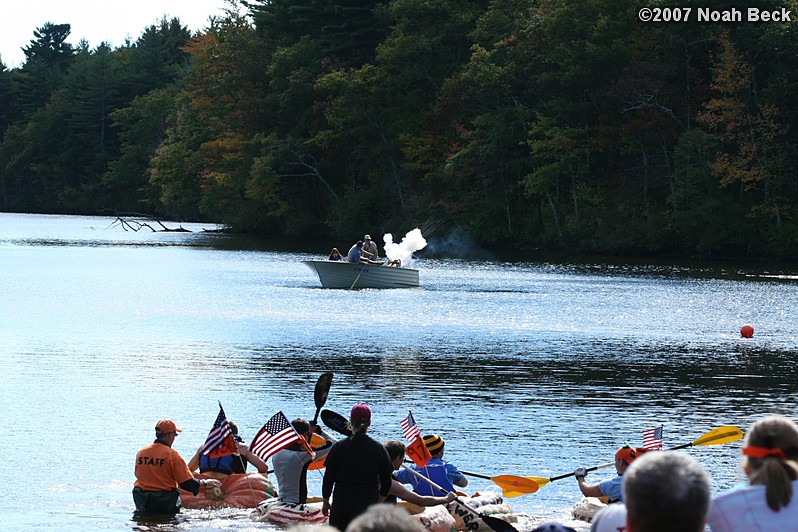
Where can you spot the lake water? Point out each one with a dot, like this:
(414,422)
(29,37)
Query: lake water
(531,368)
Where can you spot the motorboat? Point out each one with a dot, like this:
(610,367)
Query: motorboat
(348,275)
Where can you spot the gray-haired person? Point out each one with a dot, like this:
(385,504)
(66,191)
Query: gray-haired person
(666,491)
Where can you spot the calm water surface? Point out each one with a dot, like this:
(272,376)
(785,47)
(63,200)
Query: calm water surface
(524,368)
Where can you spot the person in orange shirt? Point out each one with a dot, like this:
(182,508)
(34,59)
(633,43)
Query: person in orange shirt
(160,470)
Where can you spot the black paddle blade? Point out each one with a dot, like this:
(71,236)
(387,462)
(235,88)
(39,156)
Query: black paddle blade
(336,422)
(499,525)
(322,389)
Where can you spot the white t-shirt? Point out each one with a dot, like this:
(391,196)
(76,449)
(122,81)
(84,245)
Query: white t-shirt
(746,510)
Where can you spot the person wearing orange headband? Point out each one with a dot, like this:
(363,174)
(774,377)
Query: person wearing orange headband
(624,456)
(770,462)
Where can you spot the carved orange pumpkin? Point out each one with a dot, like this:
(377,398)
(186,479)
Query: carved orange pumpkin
(238,491)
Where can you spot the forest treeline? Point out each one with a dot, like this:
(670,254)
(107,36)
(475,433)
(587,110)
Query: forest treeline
(551,124)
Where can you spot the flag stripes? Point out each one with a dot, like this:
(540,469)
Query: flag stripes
(652,438)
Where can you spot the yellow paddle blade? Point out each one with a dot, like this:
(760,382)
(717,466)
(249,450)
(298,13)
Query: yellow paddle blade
(540,481)
(719,436)
(515,483)
(511,494)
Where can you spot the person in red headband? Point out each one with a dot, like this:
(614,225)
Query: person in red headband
(770,462)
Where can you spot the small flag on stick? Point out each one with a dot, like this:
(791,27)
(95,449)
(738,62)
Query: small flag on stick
(409,427)
(276,435)
(220,440)
(652,439)
(417,450)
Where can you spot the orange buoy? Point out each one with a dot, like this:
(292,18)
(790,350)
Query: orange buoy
(747,331)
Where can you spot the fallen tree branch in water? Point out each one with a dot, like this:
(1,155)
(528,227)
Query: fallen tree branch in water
(135,222)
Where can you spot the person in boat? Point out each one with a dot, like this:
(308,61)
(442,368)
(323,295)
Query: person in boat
(665,491)
(396,452)
(335,255)
(229,464)
(370,248)
(291,464)
(443,473)
(770,463)
(354,254)
(357,474)
(160,470)
(624,457)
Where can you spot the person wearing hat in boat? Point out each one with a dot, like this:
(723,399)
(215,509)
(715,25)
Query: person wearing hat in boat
(370,248)
(222,466)
(357,473)
(608,488)
(160,470)
(396,452)
(443,473)
(291,464)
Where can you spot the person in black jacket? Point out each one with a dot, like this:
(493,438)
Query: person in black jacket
(358,472)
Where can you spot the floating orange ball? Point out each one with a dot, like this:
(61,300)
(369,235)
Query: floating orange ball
(747,331)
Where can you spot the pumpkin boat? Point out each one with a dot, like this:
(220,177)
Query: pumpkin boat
(237,491)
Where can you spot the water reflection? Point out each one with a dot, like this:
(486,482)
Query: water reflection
(525,368)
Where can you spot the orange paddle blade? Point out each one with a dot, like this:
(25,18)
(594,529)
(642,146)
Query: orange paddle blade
(515,483)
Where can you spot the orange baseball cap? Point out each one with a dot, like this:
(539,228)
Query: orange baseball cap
(626,453)
(166,426)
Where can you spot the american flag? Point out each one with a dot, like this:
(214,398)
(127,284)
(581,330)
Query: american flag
(652,439)
(409,427)
(275,435)
(220,440)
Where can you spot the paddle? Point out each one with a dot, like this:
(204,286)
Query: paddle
(499,525)
(336,422)
(510,484)
(358,275)
(718,436)
(321,392)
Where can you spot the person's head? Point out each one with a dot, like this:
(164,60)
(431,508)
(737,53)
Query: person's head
(553,526)
(396,452)
(434,445)
(234,430)
(624,457)
(335,251)
(302,427)
(367,238)
(359,419)
(665,491)
(771,458)
(166,430)
(385,518)
(359,244)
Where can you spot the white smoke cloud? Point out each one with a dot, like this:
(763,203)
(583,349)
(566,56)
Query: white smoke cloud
(412,242)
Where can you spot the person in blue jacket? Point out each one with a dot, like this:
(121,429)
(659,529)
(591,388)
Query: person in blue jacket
(443,473)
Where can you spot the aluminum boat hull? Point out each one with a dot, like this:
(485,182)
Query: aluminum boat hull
(342,274)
